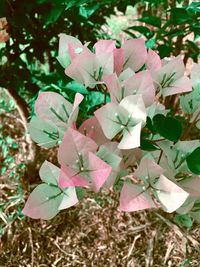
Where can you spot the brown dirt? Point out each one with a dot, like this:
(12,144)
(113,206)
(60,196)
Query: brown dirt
(90,234)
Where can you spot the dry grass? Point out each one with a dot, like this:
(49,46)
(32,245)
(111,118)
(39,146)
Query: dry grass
(90,234)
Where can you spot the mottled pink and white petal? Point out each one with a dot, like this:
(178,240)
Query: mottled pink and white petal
(195,75)
(182,85)
(133,198)
(73,143)
(106,116)
(113,86)
(170,195)
(99,171)
(53,107)
(92,129)
(49,173)
(104,46)
(69,198)
(118,60)
(153,62)
(83,68)
(192,186)
(148,168)
(71,178)
(141,83)
(131,137)
(134,105)
(43,202)
(135,54)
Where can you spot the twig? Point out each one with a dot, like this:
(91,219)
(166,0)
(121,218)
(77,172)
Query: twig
(132,247)
(179,232)
(31,244)
(149,257)
(161,152)
(23,113)
(169,249)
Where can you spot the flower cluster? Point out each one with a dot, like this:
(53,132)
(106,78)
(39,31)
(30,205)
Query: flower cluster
(4,36)
(132,143)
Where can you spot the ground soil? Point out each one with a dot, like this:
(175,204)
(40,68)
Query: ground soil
(94,233)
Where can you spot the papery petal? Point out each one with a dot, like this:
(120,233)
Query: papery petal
(106,62)
(141,83)
(192,186)
(4,36)
(104,46)
(92,129)
(99,173)
(175,65)
(133,198)
(131,137)
(118,60)
(63,53)
(73,143)
(71,178)
(148,168)
(74,114)
(49,173)
(114,87)
(127,73)
(112,156)
(106,116)
(195,75)
(53,107)
(179,86)
(135,107)
(46,134)
(69,198)
(83,68)
(135,54)
(43,202)
(153,62)
(170,195)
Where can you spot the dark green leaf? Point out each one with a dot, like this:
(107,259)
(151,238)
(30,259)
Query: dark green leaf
(77,87)
(164,50)
(179,16)
(87,11)
(54,14)
(169,128)
(147,145)
(193,161)
(183,220)
(152,20)
(143,30)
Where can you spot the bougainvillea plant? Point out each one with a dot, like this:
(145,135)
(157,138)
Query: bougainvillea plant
(131,143)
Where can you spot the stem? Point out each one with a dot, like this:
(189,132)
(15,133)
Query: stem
(161,153)
(185,135)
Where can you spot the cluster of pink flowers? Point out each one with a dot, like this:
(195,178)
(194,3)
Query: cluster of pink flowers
(4,36)
(105,149)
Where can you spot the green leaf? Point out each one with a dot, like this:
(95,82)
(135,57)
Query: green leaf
(183,220)
(147,145)
(169,128)
(193,161)
(150,43)
(96,98)
(143,30)
(54,14)
(152,20)
(179,16)
(75,3)
(87,11)
(164,50)
(77,87)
